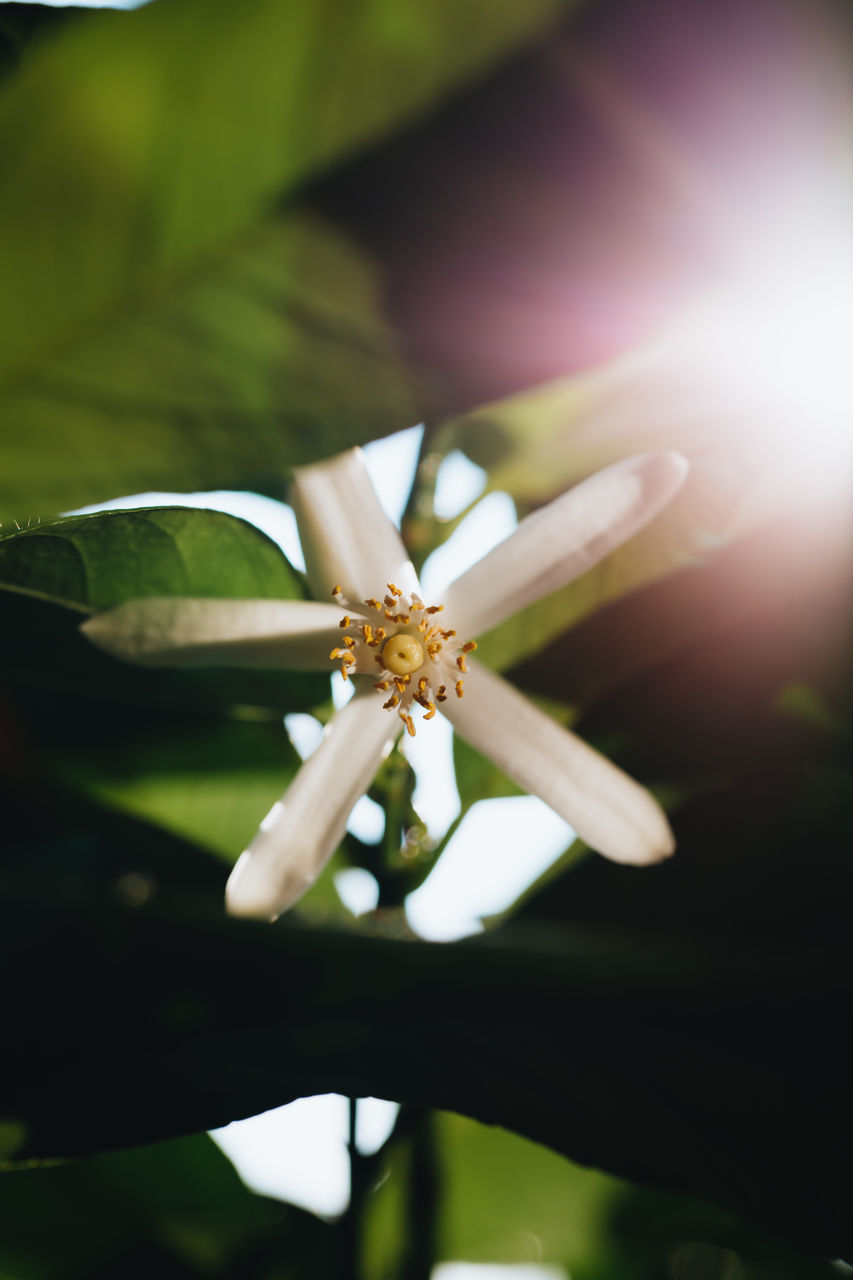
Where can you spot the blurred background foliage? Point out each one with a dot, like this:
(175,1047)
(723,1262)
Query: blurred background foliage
(238,237)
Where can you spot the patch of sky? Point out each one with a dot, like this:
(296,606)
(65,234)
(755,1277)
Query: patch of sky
(298,1153)
(500,848)
(458,483)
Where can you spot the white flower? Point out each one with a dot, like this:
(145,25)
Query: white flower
(364,582)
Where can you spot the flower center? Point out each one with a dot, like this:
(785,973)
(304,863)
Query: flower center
(403,654)
(420,645)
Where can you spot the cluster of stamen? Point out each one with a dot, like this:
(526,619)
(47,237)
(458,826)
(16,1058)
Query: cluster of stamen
(400,635)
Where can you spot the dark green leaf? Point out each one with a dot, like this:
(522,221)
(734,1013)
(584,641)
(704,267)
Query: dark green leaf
(703,1068)
(98,561)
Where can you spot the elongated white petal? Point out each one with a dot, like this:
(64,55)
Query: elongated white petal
(557,544)
(176,632)
(302,831)
(347,538)
(606,808)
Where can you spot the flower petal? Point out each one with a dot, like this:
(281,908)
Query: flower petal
(347,538)
(301,832)
(561,541)
(176,632)
(606,808)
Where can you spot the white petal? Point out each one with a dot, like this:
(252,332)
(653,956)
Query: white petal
(175,632)
(558,543)
(302,831)
(606,808)
(347,538)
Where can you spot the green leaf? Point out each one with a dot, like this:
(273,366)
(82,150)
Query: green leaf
(162,326)
(98,561)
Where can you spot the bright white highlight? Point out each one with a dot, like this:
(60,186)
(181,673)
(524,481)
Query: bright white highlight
(458,483)
(357,889)
(296,1153)
(501,848)
(367,821)
(391,466)
(299,1152)
(304,732)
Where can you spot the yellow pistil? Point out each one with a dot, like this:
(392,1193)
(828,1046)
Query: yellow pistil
(403,654)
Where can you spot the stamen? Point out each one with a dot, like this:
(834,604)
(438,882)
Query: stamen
(373,604)
(336,591)
(382,685)
(435,608)
(431,712)
(460,688)
(344,622)
(461,663)
(392,702)
(349,642)
(408,722)
(441,696)
(367,631)
(395,591)
(469,647)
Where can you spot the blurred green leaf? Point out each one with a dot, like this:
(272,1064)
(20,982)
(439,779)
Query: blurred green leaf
(507,1200)
(162,326)
(175,1209)
(209,783)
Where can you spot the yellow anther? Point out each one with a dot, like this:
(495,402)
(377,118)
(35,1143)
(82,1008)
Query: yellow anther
(395,591)
(403,654)
(402,683)
(422,684)
(373,604)
(460,687)
(461,663)
(344,622)
(448,635)
(349,642)
(408,722)
(441,696)
(392,702)
(380,635)
(336,590)
(423,624)
(431,712)
(434,649)
(382,685)
(367,632)
(435,608)
(422,701)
